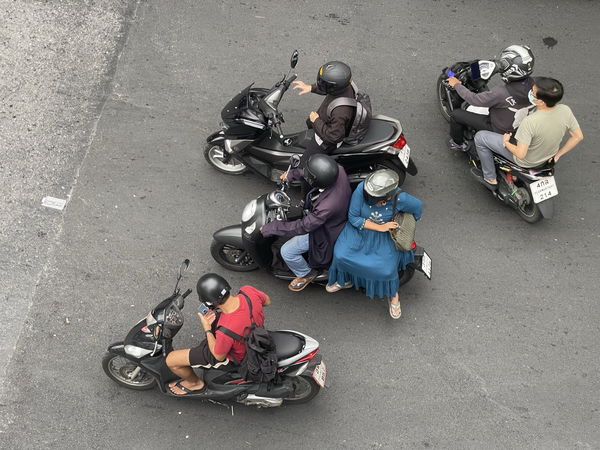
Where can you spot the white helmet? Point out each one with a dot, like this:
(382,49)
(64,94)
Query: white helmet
(515,63)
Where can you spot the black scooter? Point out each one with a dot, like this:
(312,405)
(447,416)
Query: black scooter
(529,191)
(243,248)
(138,362)
(251,138)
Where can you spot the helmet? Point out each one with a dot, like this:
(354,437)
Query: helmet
(321,171)
(213,289)
(516,63)
(380,185)
(333,77)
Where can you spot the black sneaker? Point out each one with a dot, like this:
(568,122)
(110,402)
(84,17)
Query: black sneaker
(454,146)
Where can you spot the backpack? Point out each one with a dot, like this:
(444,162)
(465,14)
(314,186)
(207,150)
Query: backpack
(362,118)
(260,361)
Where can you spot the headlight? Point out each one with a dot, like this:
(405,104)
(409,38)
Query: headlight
(250,228)
(249,211)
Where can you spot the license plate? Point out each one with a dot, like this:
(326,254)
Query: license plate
(543,189)
(426,265)
(320,374)
(404,155)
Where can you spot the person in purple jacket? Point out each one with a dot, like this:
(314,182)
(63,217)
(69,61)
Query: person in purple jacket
(327,205)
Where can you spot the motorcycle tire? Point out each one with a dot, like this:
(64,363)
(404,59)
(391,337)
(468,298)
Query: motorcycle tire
(229,257)
(217,157)
(119,373)
(530,213)
(406,275)
(445,109)
(305,389)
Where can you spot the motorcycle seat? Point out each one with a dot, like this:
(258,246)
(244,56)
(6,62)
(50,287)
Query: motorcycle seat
(287,344)
(379,131)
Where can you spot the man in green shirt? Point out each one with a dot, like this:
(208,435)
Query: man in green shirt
(539,136)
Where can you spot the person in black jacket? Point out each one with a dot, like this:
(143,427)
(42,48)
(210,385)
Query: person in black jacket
(316,233)
(508,104)
(333,81)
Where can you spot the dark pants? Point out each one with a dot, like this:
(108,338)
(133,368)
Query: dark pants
(460,119)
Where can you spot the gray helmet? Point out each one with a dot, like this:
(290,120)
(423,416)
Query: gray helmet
(380,185)
(334,77)
(515,63)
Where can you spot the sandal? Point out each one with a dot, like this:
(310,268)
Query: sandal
(187,391)
(395,310)
(478,174)
(300,283)
(336,286)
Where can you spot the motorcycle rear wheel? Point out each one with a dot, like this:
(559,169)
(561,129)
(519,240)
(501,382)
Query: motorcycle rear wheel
(305,389)
(119,368)
(231,257)
(217,157)
(406,275)
(529,212)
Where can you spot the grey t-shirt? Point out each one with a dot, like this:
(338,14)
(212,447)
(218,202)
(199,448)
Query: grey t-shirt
(543,131)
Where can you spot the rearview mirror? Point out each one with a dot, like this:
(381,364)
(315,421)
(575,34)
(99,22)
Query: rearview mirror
(294,59)
(184,266)
(294,161)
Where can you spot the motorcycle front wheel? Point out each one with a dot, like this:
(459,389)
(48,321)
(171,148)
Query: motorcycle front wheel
(217,157)
(121,369)
(444,100)
(232,258)
(305,389)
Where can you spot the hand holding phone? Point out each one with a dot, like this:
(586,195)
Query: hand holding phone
(203,309)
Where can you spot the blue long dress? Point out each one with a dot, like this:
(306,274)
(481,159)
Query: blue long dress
(368,258)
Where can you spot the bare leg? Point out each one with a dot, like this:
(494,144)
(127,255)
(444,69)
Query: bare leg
(179,363)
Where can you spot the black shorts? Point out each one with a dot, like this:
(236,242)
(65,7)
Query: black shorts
(201,356)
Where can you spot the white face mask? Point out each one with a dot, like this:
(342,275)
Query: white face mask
(531,97)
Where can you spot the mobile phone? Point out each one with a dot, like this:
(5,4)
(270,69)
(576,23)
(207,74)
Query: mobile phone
(450,73)
(203,309)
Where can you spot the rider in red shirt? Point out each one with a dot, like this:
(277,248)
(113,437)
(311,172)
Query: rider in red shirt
(218,349)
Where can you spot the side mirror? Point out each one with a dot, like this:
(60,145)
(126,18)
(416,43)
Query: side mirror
(294,161)
(294,59)
(183,267)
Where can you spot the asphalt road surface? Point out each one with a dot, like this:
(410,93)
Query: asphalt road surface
(498,350)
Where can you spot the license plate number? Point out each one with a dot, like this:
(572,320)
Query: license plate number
(320,374)
(543,189)
(426,265)
(404,155)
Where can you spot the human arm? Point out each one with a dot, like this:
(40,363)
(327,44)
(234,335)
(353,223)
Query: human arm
(486,99)
(306,224)
(519,150)
(206,322)
(409,204)
(357,220)
(576,136)
(302,87)
(333,129)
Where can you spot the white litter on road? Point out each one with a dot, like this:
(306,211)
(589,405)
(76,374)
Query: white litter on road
(54,203)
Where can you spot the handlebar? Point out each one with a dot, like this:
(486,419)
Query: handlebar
(186,293)
(289,80)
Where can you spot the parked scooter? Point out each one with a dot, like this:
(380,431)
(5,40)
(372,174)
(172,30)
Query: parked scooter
(251,138)
(242,247)
(139,362)
(530,191)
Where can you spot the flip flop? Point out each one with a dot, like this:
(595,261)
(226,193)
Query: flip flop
(478,174)
(300,283)
(337,287)
(395,310)
(187,391)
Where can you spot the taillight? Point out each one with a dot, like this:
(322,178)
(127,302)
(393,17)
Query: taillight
(310,356)
(400,142)
(413,245)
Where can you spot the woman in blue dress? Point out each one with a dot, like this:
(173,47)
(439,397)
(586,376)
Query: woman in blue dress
(365,255)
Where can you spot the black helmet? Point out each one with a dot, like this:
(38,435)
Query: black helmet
(321,171)
(380,185)
(213,289)
(333,77)
(516,63)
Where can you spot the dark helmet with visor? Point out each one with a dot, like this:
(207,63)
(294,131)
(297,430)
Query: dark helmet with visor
(213,289)
(380,185)
(334,77)
(515,63)
(321,171)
